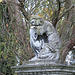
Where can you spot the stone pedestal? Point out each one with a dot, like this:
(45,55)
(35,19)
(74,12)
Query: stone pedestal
(44,67)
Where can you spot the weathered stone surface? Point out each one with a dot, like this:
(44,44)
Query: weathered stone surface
(44,40)
(44,67)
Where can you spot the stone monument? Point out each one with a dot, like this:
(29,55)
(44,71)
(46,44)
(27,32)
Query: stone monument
(45,42)
(44,39)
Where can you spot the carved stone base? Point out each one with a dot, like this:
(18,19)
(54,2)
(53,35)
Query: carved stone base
(44,67)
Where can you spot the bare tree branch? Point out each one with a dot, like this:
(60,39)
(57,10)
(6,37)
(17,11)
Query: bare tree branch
(62,1)
(69,47)
(35,7)
(65,12)
(25,13)
(56,14)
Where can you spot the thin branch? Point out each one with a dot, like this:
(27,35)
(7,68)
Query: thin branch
(35,7)
(56,13)
(65,12)
(24,12)
(59,6)
(63,1)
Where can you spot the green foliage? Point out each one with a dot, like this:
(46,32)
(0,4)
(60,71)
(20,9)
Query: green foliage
(5,68)
(7,57)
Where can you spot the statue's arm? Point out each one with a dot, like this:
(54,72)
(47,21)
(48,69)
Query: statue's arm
(47,28)
(53,37)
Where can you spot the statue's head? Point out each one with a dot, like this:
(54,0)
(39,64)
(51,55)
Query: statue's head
(36,20)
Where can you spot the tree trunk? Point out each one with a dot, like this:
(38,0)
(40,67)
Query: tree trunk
(19,29)
(68,30)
